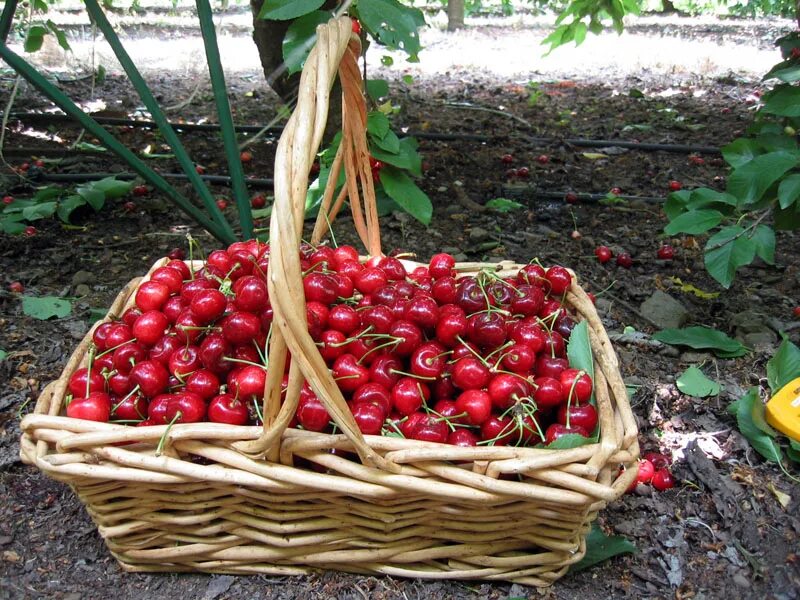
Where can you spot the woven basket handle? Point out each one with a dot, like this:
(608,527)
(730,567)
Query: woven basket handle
(336,46)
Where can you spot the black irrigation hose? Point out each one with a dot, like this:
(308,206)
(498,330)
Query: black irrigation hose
(81,177)
(422,135)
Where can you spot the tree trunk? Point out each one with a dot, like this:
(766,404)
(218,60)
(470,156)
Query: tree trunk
(268,36)
(455,15)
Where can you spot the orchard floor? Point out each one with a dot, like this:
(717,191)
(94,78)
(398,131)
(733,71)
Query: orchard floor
(720,533)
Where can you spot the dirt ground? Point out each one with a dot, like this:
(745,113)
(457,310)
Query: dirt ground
(720,533)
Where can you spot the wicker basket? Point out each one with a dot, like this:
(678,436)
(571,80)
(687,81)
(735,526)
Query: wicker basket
(232,499)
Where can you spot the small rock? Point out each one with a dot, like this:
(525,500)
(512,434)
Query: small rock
(11,556)
(760,339)
(460,257)
(518,591)
(478,234)
(218,586)
(741,581)
(603,306)
(695,357)
(82,290)
(663,310)
(82,277)
(451,249)
(452,209)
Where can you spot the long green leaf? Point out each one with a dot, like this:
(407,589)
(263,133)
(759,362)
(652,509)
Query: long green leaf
(749,182)
(789,190)
(600,547)
(764,238)
(694,222)
(784,366)
(283,10)
(701,338)
(726,251)
(760,440)
(406,194)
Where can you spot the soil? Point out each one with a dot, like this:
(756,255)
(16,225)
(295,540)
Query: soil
(722,532)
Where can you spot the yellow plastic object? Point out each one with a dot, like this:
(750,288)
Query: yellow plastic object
(783,410)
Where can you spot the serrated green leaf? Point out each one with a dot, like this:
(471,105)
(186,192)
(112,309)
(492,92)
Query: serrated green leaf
(693,382)
(393,24)
(784,366)
(764,238)
(694,222)
(300,38)
(568,441)
(783,101)
(503,205)
(68,205)
(726,251)
(749,182)
(35,38)
(38,211)
(377,88)
(700,338)
(45,307)
(283,10)
(600,547)
(789,190)
(759,440)
(400,188)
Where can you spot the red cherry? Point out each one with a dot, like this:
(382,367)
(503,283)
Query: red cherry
(128,355)
(150,376)
(369,417)
(16,287)
(83,382)
(557,430)
(662,480)
(227,409)
(675,186)
(646,471)
(523,172)
(462,437)
(374,393)
(409,394)
(349,375)
(507,159)
(581,415)
(548,392)
(577,386)
(477,404)
(559,279)
(199,169)
(428,360)
(241,327)
(408,337)
(356,26)
(603,254)
(258,201)
(184,361)
(469,373)
(543,159)
(170,277)
(422,311)
(129,408)
(140,190)
(222,204)
(796,311)
(441,265)
(624,260)
(204,383)
(616,191)
(498,431)
(659,460)
(177,255)
(29,231)
(251,293)
(666,252)
(505,390)
(152,295)
(571,198)
(430,429)
(94,407)
(246,156)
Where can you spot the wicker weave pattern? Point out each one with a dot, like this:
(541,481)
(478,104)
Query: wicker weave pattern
(276,500)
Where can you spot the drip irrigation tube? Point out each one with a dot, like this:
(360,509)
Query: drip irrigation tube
(422,135)
(81,177)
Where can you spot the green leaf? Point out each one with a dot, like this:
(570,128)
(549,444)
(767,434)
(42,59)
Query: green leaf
(300,37)
(377,88)
(400,188)
(600,547)
(784,366)
(676,203)
(378,124)
(740,152)
(111,187)
(40,6)
(693,382)
(389,143)
(789,190)
(783,100)
(568,441)
(694,222)
(761,441)
(40,210)
(406,157)
(749,182)
(94,198)
(283,10)
(700,337)
(503,205)
(68,205)
(47,193)
(787,71)
(764,238)
(97,314)
(793,451)
(12,224)
(392,24)
(3,354)
(61,37)
(703,197)
(35,38)
(45,307)
(579,349)
(725,252)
